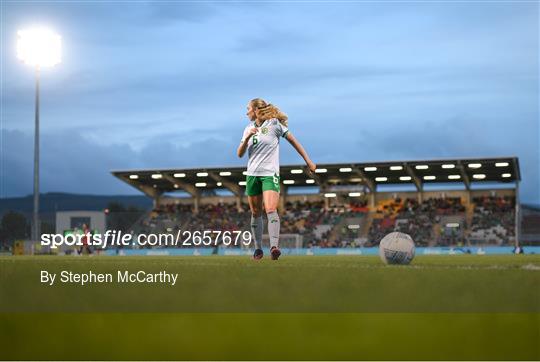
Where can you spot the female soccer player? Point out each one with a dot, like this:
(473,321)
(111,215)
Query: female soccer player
(261,140)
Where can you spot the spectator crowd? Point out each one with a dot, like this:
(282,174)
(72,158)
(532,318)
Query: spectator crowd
(348,224)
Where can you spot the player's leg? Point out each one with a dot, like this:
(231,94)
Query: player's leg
(255,200)
(256,207)
(271,201)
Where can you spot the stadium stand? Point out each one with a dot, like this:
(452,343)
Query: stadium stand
(348,210)
(493,221)
(432,222)
(418,219)
(316,225)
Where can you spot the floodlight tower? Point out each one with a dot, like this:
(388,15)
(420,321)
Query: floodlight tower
(38,47)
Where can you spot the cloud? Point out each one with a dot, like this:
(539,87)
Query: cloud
(460,138)
(70,162)
(166,83)
(74,163)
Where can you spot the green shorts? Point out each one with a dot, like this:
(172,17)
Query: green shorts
(255,185)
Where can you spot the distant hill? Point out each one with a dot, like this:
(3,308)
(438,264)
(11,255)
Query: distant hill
(51,202)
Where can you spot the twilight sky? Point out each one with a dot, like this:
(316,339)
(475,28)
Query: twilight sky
(165,84)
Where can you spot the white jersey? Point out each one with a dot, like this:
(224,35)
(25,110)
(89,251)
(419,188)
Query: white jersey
(263,147)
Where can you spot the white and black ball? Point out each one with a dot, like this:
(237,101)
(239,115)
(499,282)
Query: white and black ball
(396,248)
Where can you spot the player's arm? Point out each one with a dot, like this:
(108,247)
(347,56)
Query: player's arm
(301,151)
(243,145)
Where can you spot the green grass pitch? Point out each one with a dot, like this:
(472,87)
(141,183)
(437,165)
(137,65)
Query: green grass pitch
(309,308)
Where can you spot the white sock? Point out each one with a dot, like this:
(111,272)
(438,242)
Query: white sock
(257,230)
(273,228)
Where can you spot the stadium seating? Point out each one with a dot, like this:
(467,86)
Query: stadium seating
(435,221)
(170,218)
(493,221)
(416,219)
(320,227)
(317,226)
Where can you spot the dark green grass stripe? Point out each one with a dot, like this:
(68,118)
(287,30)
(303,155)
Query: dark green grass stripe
(289,336)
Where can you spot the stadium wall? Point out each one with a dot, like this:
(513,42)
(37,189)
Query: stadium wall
(496,250)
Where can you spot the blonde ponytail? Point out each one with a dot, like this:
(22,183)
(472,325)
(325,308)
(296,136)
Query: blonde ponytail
(266,111)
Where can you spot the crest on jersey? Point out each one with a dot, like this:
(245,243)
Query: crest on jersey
(264,130)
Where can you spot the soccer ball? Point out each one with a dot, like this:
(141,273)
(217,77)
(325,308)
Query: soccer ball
(396,248)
